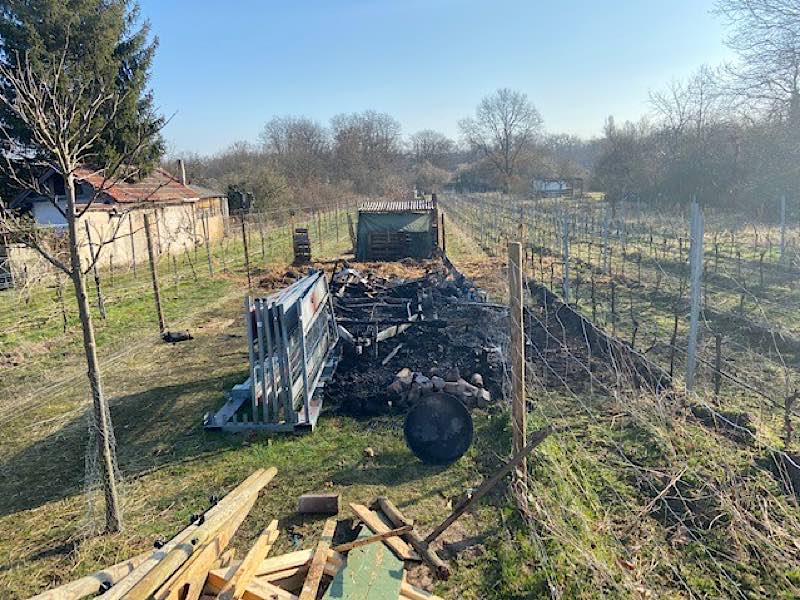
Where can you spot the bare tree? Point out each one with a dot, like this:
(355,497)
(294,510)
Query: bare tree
(766,36)
(366,148)
(505,125)
(299,145)
(431,146)
(65,112)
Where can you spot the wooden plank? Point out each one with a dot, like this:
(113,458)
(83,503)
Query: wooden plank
(257,589)
(378,537)
(374,522)
(414,593)
(372,572)
(317,567)
(440,568)
(277,567)
(187,582)
(228,508)
(236,585)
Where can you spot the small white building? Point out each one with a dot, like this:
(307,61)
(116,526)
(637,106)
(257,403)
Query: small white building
(544,187)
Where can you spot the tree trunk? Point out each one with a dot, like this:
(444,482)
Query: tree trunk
(102,417)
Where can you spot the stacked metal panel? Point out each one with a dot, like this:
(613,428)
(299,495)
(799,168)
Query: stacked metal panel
(292,342)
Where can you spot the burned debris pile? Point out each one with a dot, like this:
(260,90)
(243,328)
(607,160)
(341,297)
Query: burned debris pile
(405,338)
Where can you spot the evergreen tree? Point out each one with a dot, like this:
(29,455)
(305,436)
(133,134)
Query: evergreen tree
(105,40)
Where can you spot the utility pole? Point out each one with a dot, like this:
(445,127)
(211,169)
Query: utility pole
(162,327)
(517,351)
(696,257)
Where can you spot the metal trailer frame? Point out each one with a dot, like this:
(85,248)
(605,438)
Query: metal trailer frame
(292,342)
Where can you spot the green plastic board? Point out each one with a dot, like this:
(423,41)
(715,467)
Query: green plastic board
(371,571)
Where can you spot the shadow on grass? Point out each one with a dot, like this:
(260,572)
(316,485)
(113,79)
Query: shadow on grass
(154,428)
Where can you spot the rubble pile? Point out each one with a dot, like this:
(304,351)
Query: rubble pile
(409,386)
(409,337)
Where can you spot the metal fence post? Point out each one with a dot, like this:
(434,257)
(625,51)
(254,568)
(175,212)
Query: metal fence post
(565,252)
(696,258)
(783,230)
(606,223)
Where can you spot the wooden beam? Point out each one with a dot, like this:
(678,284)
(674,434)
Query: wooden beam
(317,567)
(90,585)
(414,593)
(187,582)
(374,522)
(373,538)
(440,568)
(215,519)
(236,585)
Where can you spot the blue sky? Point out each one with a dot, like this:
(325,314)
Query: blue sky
(223,68)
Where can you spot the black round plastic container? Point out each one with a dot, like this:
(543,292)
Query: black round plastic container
(438,429)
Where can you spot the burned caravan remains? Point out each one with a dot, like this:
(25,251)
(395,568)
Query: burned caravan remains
(391,230)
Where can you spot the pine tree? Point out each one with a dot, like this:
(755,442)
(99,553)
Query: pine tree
(105,38)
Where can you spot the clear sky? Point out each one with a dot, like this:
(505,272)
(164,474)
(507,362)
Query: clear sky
(225,67)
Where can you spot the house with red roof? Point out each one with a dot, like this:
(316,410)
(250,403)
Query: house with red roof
(182,216)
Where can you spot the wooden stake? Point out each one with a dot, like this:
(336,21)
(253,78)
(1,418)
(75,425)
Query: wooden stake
(246,254)
(162,326)
(101,303)
(517,350)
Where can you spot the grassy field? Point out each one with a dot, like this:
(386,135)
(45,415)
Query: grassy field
(171,466)
(750,300)
(631,498)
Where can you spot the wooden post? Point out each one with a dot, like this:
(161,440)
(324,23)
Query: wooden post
(319,229)
(60,294)
(246,254)
(444,238)
(133,244)
(101,303)
(207,236)
(517,351)
(717,365)
(162,327)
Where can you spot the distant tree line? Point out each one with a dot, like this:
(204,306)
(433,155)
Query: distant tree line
(729,135)
(301,162)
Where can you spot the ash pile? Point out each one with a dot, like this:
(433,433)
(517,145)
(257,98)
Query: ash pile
(407,338)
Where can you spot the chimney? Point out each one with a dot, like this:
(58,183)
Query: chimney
(182,171)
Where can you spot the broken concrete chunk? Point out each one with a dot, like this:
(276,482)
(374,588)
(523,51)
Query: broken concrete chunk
(438,383)
(452,374)
(476,380)
(405,376)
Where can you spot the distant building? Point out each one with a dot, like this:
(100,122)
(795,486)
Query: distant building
(558,187)
(182,216)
